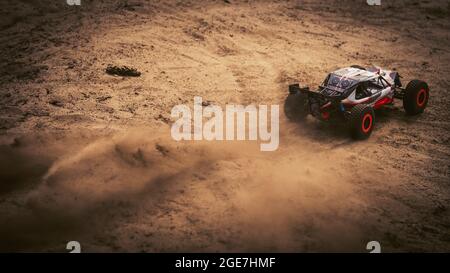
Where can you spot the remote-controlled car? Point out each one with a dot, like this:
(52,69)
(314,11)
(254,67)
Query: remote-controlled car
(352,94)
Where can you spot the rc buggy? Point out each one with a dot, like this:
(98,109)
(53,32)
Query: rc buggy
(352,94)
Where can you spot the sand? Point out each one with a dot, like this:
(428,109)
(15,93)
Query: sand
(88,156)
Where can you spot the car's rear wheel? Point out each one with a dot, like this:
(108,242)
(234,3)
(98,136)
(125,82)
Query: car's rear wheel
(296,106)
(361,121)
(416,97)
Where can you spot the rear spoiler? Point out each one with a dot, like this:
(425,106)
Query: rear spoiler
(295,88)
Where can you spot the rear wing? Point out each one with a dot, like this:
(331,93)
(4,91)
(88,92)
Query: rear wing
(295,88)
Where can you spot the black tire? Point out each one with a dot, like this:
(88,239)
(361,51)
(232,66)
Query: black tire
(296,106)
(416,97)
(361,121)
(358,66)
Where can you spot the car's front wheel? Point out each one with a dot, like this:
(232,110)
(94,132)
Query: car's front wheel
(416,97)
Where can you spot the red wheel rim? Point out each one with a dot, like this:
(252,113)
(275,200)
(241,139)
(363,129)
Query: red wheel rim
(366,123)
(421,97)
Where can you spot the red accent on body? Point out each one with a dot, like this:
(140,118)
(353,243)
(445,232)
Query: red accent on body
(325,115)
(382,102)
(326,105)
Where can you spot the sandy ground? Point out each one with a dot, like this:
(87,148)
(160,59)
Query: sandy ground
(87,156)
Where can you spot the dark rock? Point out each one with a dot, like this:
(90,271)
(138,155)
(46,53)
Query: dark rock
(122,71)
(56,103)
